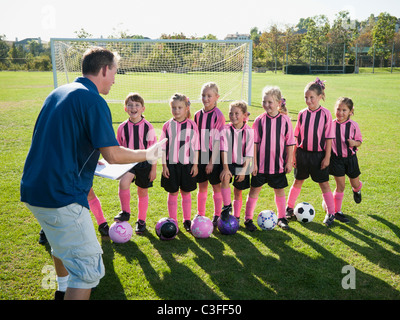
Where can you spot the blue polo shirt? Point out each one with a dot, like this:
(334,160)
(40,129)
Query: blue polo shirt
(74,123)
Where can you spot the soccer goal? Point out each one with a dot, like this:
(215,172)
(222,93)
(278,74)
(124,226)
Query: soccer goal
(157,69)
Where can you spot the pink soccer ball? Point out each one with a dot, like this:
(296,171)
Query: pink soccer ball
(120,232)
(202,227)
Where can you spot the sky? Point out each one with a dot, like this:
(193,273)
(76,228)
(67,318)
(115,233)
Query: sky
(60,19)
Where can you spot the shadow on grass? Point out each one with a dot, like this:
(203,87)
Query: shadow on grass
(368,286)
(234,267)
(110,287)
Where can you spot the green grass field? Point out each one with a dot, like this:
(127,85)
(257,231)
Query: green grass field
(305,262)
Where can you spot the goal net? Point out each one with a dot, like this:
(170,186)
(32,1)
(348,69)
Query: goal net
(157,69)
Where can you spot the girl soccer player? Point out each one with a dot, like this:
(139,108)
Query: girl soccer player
(210,121)
(180,158)
(273,153)
(237,150)
(344,158)
(136,133)
(314,134)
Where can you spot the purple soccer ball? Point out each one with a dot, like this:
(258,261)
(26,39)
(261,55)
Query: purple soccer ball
(228,226)
(120,232)
(202,227)
(167,228)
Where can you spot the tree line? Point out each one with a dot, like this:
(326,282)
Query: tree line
(307,42)
(312,37)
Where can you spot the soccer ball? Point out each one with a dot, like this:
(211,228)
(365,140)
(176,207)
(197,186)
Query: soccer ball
(120,232)
(167,228)
(267,220)
(202,227)
(304,212)
(228,226)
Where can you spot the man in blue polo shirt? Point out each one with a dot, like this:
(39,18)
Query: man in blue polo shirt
(72,129)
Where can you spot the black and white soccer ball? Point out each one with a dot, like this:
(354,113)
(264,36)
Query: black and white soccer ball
(304,212)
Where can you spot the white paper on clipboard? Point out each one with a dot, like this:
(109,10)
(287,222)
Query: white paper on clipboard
(112,171)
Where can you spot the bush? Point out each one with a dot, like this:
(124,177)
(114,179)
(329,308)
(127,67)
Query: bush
(39,63)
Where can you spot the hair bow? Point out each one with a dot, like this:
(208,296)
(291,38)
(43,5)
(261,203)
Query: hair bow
(320,83)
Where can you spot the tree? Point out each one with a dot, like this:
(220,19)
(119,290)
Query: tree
(303,24)
(4,48)
(255,36)
(273,43)
(340,36)
(82,34)
(292,40)
(383,35)
(342,28)
(16,54)
(317,33)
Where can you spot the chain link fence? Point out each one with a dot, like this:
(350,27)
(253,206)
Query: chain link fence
(333,58)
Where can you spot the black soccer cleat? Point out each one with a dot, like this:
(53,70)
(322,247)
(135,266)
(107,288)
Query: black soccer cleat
(42,237)
(329,218)
(226,210)
(341,217)
(122,216)
(250,225)
(283,223)
(357,196)
(140,226)
(103,229)
(187,224)
(290,213)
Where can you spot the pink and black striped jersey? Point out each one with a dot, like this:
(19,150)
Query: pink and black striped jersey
(183,141)
(238,143)
(209,124)
(312,129)
(344,131)
(135,136)
(272,135)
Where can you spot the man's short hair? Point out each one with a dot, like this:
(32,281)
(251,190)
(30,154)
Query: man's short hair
(96,58)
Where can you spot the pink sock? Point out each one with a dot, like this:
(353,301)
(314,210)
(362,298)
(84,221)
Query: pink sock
(281,206)
(95,207)
(187,206)
(293,195)
(338,199)
(125,199)
(226,196)
(143,204)
(217,197)
(237,207)
(330,204)
(201,203)
(173,206)
(359,187)
(250,206)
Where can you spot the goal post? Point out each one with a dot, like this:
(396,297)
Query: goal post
(159,68)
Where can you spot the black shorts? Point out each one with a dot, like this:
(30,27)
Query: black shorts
(179,178)
(308,163)
(344,166)
(213,177)
(235,169)
(142,172)
(275,181)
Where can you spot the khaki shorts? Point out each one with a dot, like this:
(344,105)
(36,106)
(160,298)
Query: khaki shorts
(73,240)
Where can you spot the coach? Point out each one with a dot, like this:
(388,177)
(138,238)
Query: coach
(74,126)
